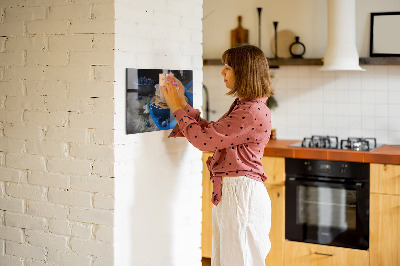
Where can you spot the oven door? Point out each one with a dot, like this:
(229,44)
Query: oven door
(327,213)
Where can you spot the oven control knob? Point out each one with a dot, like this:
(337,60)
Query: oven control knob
(343,168)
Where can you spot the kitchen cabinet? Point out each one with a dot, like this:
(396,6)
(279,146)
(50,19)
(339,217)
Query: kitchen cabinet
(274,168)
(305,254)
(206,225)
(385,214)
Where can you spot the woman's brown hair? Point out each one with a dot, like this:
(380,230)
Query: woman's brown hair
(250,66)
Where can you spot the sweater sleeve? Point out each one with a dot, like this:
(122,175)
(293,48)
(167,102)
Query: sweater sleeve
(229,131)
(193,113)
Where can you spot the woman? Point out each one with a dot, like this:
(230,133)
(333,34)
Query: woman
(242,208)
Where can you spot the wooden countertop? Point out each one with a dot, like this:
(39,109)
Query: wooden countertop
(389,154)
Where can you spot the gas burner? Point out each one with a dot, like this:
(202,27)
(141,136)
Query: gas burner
(358,144)
(327,142)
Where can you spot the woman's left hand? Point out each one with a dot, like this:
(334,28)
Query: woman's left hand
(171,95)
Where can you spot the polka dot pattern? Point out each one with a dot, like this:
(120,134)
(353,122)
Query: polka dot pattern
(238,139)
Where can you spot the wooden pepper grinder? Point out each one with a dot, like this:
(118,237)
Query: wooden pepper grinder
(239,35)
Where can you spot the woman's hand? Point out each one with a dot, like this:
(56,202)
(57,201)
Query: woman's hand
(174,94)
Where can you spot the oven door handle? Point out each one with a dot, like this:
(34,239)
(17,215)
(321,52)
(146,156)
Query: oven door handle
(357,185)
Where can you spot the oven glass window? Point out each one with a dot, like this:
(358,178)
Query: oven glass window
(326,207)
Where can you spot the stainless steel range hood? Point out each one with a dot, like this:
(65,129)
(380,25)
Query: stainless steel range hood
(341,51)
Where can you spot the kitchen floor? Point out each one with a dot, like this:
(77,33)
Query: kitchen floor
(206,261)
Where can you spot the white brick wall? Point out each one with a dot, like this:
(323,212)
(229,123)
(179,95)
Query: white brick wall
(153,174)
(56,132)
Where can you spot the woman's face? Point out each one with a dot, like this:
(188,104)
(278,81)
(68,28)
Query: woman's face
(229,76)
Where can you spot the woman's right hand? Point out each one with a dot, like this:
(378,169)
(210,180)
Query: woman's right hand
(181,91)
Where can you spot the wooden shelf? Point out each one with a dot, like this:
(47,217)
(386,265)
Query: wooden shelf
(273,63)
(380,61)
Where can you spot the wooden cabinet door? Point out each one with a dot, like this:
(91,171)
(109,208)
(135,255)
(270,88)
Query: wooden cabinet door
(277,233)
(384,236)
(305,254)
(385,178)
(206,226)
(274,168)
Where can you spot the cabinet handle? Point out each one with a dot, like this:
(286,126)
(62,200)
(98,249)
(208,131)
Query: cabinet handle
(325,254)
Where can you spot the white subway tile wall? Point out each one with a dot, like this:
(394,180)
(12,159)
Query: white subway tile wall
(56,132)
(313,102)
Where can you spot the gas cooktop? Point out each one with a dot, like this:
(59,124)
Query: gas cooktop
(332,142)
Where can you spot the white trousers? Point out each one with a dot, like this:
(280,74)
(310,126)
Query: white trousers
(241,223)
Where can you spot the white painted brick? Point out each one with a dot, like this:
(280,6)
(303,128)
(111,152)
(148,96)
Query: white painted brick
(46,2)
(12,28)
(11,233)
(47,58)
(21,43)
(2,193)
(69,197)
(47,240)
(91,89)
(11,260)
(191,48)
(104,169)
(25,221)
(12,117)
(103,41)
(2,158)
(68,258)
(60,227)
(70,166)
(46,27)
(25,161)
(25,103)
(46,209)
(24,73)
(105,233)
(3,44)
(12,204)
(91,247)
(91,26)
(103,202)
(11,59)
(96,57)
(98,120)
(48,179)
(105,260)
(12,145)
(24,13)
(95,216)
(24,132)
(25,191)
(104,73)
(46,88)
(101,136)
(93,184)
(32,262)
(46,118)
(98,105)
(69,12)
(82,230)
(11,88)
(103,11)
(46,148)
(81,73)
(92,151)
(56,103)
(25,250)
(74,135)
(70,42)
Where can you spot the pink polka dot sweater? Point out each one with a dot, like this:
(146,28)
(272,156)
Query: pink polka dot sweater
(238,139)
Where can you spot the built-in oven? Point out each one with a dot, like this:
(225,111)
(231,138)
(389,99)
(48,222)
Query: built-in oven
(327,202)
